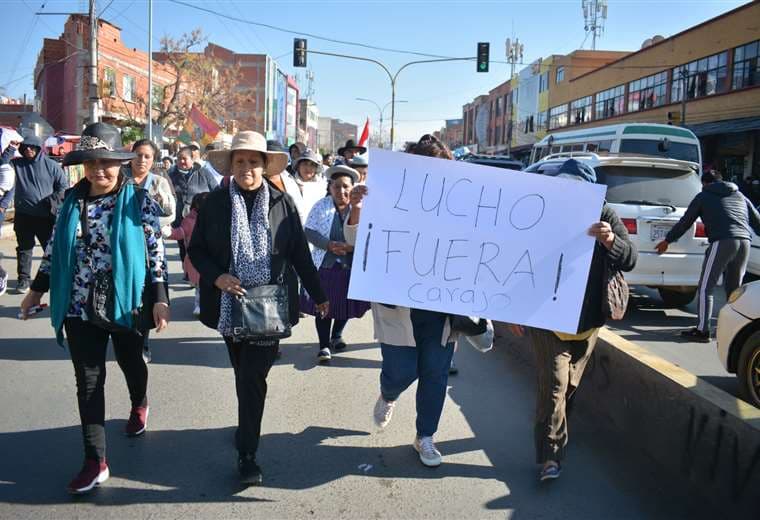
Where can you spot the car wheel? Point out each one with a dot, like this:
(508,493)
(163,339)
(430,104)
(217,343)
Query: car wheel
(673,298)
(748,370)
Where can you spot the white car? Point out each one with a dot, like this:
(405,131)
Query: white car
(753,266)
(650,194)
(739,339)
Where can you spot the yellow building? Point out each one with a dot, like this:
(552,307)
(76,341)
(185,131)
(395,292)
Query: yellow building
(717,65)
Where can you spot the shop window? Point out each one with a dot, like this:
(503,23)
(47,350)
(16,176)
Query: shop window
(558,117)
(746,65)
(580,110)
(648,92)
(610,102)
(703,77)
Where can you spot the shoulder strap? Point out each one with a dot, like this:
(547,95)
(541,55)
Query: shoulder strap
(149,181)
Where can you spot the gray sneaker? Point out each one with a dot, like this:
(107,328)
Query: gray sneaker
(429,455)
(383,412)
(3,282)
(22,286)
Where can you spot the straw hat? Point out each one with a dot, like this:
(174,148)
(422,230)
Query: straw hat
(252,141)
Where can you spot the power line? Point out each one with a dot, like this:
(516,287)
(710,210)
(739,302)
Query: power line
(310,35)
(105,8)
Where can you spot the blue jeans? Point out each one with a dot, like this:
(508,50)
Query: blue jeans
(429,362)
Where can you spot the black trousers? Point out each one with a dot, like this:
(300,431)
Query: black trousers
(88,345)
(251,362)
(27,228)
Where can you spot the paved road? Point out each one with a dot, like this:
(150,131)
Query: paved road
(321,455)
(657,328)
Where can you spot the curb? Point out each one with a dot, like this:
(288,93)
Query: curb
(692,430)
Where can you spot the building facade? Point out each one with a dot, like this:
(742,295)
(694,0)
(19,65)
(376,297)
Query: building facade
(333,133)
(62,78)
(711,72)
(308,122)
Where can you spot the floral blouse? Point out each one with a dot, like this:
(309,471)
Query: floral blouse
(99,213)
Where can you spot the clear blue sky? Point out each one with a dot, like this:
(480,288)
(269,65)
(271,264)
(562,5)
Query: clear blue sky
(443,27)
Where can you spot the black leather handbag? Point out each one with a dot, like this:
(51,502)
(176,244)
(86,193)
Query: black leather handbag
(263,313)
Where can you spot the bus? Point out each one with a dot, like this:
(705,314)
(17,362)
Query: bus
(630,138)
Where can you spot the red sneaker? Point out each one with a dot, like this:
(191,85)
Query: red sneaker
(138,421)
(93,473)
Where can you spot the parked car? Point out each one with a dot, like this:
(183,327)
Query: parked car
(499,161)
(650,194)
(753,266)
(739,339)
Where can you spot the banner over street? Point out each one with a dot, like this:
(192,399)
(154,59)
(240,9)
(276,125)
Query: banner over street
(457,237)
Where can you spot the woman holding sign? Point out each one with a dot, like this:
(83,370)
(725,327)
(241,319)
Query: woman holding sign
(332,255)
(416,344)
(561,358)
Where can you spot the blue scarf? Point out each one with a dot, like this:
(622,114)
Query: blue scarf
(127,256)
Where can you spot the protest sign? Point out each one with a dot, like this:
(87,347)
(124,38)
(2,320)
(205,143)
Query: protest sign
(457,237)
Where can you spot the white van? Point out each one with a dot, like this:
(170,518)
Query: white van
(650,194)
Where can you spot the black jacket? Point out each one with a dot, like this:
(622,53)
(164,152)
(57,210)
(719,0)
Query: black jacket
(622,257)
(725,212)
(211,251)
(188,186)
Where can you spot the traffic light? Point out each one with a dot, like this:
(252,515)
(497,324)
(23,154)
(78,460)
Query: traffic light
(483,51)
(299,52)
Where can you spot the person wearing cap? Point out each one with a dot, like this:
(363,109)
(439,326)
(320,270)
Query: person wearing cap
(360,163)
(195,152)
(332,256)
(106,224)
(309,176)
(39,183)
(348,151)
(561,358)
(248,235)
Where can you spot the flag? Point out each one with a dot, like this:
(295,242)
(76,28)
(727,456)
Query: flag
(198,127)
(365,134)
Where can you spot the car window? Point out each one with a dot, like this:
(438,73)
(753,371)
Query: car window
(666,186)
(682,151)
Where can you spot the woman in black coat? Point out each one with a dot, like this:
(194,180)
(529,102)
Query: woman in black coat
(561,358)
(248,234)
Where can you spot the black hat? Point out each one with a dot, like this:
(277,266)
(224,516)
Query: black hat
(275,146)
(350,145)
(99,141)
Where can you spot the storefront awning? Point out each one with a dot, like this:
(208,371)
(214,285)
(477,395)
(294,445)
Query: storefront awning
(729,126)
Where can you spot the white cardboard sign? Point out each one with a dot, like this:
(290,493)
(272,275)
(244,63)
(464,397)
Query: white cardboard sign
(457,237)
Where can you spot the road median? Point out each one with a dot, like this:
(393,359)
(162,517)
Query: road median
(690,428)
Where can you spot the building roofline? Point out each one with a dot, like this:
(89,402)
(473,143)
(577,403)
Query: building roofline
(670,38)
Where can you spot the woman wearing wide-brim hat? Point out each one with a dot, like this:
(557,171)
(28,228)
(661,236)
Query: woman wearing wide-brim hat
(350,149)
(332,255)
(105,226)
(248,234)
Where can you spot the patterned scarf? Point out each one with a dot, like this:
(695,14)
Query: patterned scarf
(251,243)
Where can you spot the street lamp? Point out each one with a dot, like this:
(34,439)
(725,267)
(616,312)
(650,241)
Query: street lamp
(381,111)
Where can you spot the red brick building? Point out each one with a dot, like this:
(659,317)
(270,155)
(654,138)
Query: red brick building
(62,78)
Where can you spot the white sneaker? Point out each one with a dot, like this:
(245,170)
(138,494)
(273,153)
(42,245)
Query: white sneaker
(429,455)
(383,412)
(197,311)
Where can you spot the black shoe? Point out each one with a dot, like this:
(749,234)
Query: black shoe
(22,286)
(696,335)
(324,355)
(338,344)
(250,473)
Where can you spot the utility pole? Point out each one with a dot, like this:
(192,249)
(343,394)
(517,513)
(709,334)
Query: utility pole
(150,71)
(594,15)
(94,95)
(514,56)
